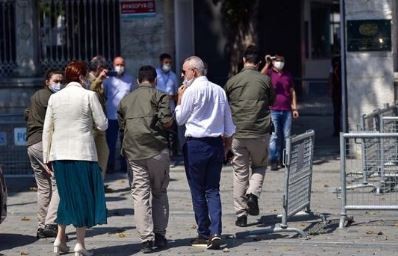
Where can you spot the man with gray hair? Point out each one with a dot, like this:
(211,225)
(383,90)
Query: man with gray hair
(203,107)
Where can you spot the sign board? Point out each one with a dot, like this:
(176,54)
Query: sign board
(3,139)
(131,9)
(368,35)
(20,136)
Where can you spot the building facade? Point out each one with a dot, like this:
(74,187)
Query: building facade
(41,34)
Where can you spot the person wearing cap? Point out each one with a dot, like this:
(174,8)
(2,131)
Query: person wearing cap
(284,107)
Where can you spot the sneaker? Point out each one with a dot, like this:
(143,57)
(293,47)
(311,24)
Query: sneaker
(146,247)
(160,241)
(241,221)
(50,230)
(199,241)
(252,203)
(214,242)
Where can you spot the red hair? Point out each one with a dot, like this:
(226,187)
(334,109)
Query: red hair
(74,70)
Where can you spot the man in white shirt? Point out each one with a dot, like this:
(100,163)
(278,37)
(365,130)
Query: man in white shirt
(117,85)
(203,107)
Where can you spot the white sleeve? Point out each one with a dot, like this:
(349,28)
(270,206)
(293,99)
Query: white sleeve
(183,111)
(48,130)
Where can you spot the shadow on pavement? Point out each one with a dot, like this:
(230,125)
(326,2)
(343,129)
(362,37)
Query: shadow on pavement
(108,230)
(120,212)
(118,250)
(9,241)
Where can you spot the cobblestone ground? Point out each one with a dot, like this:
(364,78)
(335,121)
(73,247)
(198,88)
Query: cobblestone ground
(371,233)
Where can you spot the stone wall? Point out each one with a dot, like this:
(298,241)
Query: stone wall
(144,38)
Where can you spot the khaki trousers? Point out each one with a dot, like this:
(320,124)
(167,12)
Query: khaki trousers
(248,153)
(149,191)
(47,193)
(102,150)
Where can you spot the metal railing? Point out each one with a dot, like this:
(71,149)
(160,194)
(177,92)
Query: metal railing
(380,171)
(77,29)
(298,158)
(371,122)
(7,38)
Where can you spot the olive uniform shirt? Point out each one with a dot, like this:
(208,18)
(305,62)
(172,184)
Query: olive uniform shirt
(141,116)
(36,114)
(250,94)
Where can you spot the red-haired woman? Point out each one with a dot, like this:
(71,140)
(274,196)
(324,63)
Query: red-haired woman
(69,149)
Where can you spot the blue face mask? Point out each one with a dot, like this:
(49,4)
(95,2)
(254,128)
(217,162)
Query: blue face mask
(55,87)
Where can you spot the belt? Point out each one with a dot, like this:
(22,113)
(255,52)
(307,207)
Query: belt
(203,138)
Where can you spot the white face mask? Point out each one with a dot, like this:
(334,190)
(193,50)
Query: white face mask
(55,87)
(187,83)
(166,67)
(119,70)
(279,65)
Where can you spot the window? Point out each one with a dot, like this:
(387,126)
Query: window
(325,30)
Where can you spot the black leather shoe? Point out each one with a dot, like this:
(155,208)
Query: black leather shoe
(274,166)
(214,242)
(40,234)
(50,230)
(241,221)
(160,241)
(146,247)
(252,203)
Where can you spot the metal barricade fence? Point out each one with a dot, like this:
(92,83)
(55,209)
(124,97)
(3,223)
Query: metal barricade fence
(298,158)
(371,149)
(372,121)
(13,152)
(381,174)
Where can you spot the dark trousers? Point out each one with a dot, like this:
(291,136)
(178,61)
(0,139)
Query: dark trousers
(203,158)
(112,134)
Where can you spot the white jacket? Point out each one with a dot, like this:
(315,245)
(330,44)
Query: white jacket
(72,114)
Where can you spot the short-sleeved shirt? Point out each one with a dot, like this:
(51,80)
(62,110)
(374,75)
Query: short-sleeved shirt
(166,82)
(282,83)
(115,89)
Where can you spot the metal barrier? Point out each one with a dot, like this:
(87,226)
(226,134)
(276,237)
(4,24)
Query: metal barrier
(372,121)
(298,157)
(13,152)
(367,174)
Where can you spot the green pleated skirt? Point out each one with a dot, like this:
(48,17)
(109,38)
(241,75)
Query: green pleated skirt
(81,193)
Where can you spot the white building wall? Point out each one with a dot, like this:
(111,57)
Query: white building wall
(370,75)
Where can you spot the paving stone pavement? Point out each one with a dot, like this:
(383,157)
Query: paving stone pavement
(372,233)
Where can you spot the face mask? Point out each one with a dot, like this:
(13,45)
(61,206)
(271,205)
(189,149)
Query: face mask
(187,83)
(119,70)
(55,87)
(166,67)
(279,65)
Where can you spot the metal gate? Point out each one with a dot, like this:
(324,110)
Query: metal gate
(77,29)
(7,38)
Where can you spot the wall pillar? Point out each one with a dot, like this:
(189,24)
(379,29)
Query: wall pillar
(25,38)
(370,74)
